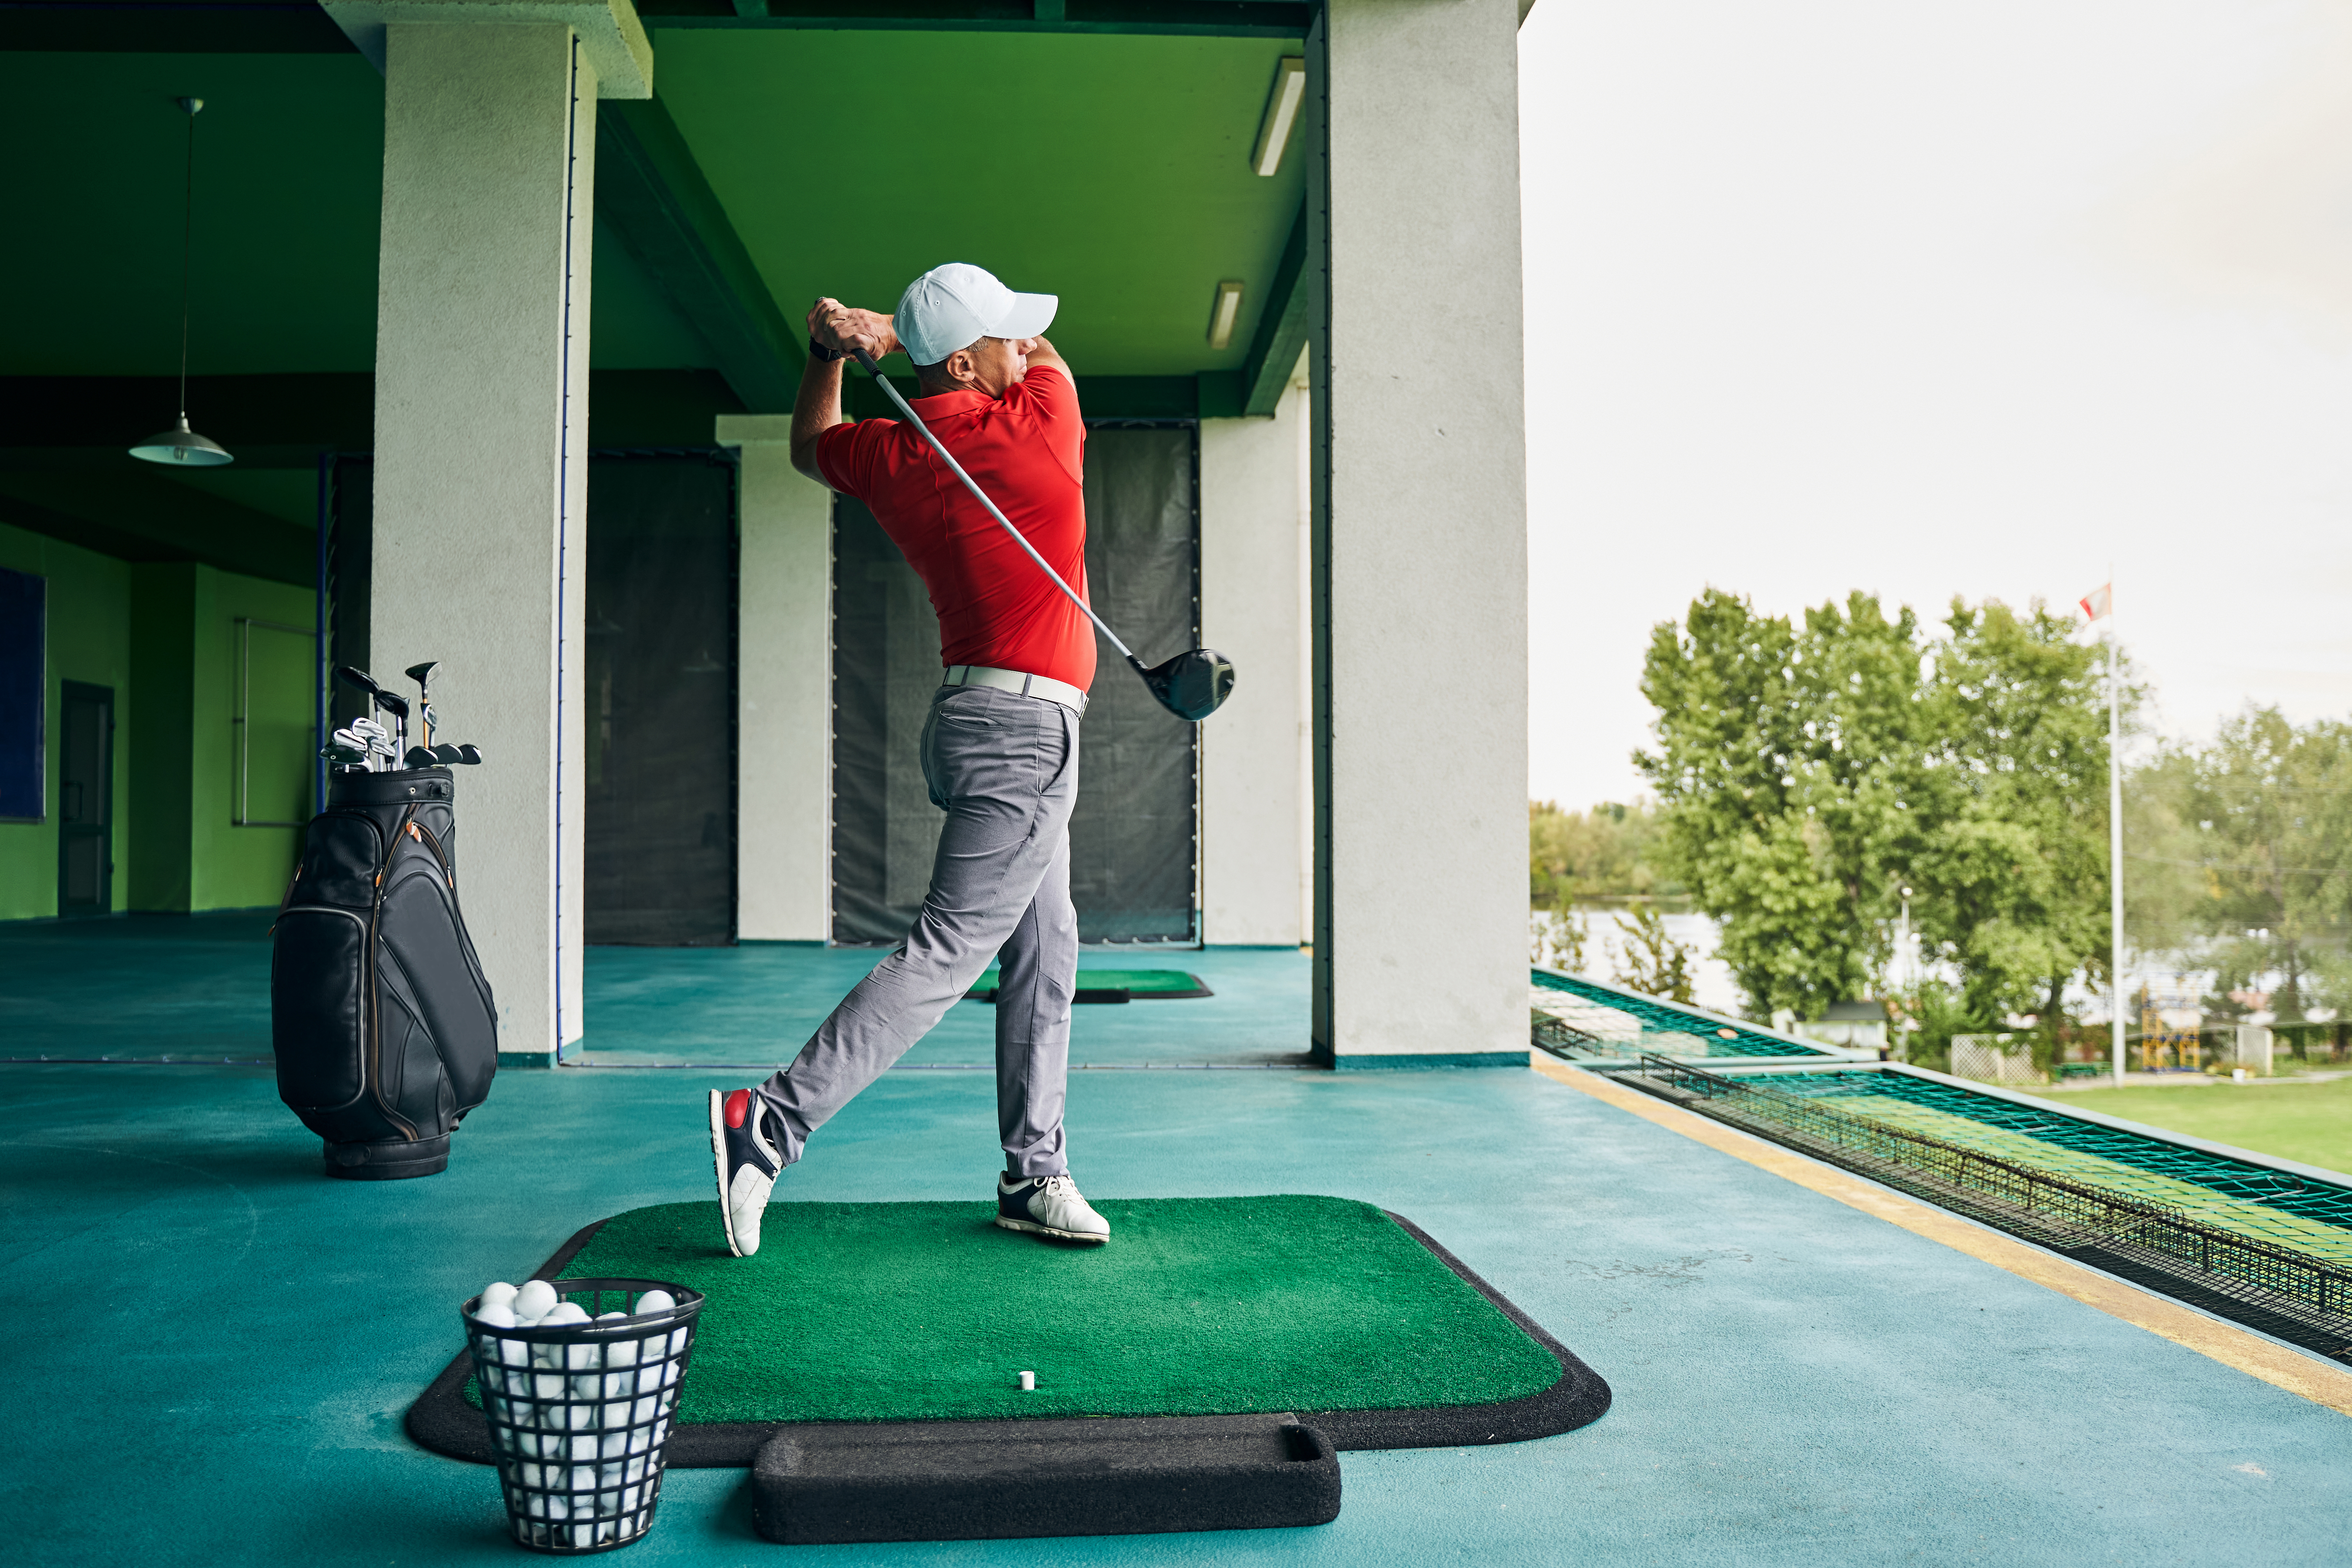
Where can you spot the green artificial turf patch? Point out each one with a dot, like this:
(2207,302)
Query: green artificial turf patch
(1137,982)
(1196,1307)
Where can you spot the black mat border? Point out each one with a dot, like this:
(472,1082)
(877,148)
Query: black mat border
(1104,994)
(442,1421)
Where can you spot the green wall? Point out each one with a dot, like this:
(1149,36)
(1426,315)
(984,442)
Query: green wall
(164,635)
(237,868)
(90,639)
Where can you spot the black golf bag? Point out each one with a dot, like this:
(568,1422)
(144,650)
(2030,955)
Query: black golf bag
(379,1012)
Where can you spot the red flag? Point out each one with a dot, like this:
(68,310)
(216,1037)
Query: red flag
(2099,602)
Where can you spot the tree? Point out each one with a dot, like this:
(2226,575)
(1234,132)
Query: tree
(2266,816)
(1788,768)
(1806,774)
(1651,961)
(1604,852)
(2011,873)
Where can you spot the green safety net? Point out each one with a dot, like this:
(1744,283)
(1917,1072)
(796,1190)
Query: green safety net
(1667,1028)
(2241,1191)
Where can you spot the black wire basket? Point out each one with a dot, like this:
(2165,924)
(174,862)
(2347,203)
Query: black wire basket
(580,1414)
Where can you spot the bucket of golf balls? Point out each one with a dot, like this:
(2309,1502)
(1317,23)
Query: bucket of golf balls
(579,1380)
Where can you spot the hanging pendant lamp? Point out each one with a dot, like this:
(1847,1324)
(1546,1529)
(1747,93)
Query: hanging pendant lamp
(180,444)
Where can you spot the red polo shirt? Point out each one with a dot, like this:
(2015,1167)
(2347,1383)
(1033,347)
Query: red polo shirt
(1026,449)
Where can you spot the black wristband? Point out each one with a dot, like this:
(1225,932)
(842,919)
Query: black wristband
(817,350)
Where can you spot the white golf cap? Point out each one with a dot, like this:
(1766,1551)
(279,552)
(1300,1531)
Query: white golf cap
(955,306)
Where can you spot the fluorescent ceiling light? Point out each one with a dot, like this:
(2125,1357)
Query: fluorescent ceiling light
(1281,113)
(1223,314)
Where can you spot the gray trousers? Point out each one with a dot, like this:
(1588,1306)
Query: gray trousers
(1006,770)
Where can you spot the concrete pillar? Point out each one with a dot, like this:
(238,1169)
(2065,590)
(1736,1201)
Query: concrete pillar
(783,741)
(1420,546)
(1256,799)
(481,422)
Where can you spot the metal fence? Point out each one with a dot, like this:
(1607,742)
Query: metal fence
(2066,1216)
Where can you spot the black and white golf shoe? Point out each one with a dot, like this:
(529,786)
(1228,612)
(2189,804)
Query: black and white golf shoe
(748,1161)
(1049,1205)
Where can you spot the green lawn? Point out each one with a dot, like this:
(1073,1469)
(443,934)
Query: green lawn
(2308,1121)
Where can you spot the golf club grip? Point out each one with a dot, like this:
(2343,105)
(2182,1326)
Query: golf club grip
(981,496)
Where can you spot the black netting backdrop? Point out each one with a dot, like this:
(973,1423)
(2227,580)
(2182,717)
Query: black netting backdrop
(660,697)
(1133,836)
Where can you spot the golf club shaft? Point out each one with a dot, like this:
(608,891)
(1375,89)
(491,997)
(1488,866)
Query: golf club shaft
(981,496)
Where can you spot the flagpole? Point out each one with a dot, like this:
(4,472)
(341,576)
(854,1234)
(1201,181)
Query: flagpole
(2115,825)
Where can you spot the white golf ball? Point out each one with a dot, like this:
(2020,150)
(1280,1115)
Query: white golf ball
(535,1301)
(563,1313)
(656,1301)
(498,1294)
(497,1314)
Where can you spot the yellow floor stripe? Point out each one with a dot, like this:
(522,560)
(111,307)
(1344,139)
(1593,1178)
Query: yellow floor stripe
(2225,1343)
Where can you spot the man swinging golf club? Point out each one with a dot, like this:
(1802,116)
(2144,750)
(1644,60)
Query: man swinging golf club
(1000,748)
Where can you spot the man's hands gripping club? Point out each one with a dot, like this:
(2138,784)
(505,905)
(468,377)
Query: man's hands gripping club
(988,366)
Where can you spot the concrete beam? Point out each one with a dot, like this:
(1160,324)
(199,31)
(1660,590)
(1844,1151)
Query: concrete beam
(1419,560)
(481,470)
(652,193)
(1256,801)
(133,516)
(611,40)
(784,736)
(1282,328)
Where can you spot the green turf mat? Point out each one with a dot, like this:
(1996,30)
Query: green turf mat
(1139,982)
(1196,1307)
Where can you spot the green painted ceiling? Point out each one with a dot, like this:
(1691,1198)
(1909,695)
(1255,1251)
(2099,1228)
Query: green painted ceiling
(289,153)
(1110,169)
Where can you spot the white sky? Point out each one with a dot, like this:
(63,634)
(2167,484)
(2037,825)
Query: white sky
(1937,297)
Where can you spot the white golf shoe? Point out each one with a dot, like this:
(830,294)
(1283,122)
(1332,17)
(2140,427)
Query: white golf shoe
(748,1162)
(1049,1205)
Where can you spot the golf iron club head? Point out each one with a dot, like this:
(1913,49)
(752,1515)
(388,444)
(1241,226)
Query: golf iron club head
(1192,685)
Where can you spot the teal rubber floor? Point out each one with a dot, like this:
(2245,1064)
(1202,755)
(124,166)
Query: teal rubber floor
(236,1338)
(196,987)
(756,1004)
(215,1345)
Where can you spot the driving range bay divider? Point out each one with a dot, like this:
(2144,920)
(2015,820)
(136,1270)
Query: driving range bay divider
(2282,1292)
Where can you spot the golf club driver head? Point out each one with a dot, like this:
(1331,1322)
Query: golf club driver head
(422,757)
(457,754)
(1192,685)
(420,673)
(469,753)
(344,756)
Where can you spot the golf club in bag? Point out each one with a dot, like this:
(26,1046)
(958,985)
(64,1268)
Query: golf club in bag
(380,1015)
(1192,685)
